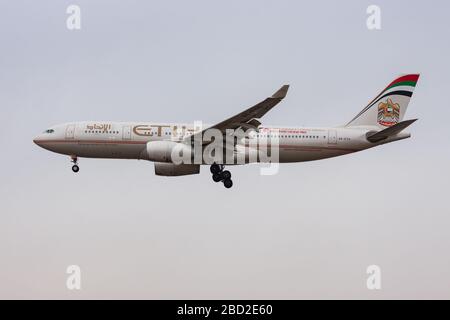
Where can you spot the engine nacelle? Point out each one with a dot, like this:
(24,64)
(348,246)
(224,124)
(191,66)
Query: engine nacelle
(167,151)
(170,169)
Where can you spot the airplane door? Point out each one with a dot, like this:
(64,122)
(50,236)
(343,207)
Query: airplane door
(126,133)
(70,131)
(332,137)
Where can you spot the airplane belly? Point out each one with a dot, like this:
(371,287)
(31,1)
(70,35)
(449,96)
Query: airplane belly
(109,150)
(87,149)
(304,154)
(288,153)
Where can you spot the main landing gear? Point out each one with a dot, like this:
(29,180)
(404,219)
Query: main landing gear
(218,174)
(75,167)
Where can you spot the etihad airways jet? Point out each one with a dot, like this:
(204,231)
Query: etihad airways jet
(380,122)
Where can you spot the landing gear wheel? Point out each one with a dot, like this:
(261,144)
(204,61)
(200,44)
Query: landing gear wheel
(218,174)
(215,168)
(226,175)
(228,183)
(75,167)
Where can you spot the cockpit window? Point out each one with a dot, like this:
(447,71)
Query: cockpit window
(49,131)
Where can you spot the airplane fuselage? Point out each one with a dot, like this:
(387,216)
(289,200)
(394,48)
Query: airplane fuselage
(128,140)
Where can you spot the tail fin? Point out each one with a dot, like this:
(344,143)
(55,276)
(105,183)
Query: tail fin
(389,107)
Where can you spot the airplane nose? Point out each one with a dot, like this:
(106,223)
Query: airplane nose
(37,140)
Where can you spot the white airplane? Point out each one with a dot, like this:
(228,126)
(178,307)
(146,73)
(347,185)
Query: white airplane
(380,122)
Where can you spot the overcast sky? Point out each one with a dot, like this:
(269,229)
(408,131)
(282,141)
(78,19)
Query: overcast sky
(308,232)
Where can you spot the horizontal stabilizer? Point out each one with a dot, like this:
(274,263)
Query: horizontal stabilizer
(391,131)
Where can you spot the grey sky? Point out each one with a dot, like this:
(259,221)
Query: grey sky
(308,232)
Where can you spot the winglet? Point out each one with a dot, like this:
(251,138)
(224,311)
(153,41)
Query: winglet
(280,94)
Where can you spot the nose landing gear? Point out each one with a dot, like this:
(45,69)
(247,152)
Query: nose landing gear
(218,174)
(75,167)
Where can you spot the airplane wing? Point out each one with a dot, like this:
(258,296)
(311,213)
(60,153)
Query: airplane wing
(249,118)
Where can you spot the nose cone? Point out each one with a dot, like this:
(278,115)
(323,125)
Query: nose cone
(38,140)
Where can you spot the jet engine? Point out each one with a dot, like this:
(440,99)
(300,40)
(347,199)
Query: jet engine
(168,151)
